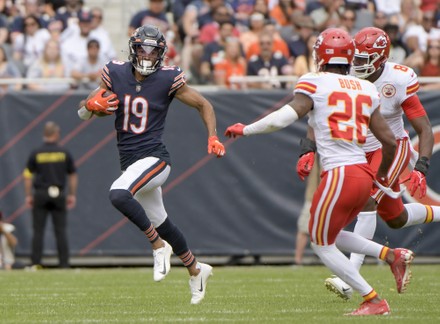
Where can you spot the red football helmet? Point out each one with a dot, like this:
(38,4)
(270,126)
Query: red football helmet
(333,46)
(372,51)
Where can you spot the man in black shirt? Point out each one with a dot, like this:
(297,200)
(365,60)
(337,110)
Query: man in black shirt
(48,191)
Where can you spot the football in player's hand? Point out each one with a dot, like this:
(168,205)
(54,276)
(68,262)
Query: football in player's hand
(108,93)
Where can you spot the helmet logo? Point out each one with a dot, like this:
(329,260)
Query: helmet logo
(381,42)
(319,41)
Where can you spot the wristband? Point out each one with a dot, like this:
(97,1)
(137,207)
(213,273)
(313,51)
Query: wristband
(84,114)
(422,165)
(307,145)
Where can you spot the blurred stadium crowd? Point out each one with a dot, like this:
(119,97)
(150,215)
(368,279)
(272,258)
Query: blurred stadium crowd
(211,40)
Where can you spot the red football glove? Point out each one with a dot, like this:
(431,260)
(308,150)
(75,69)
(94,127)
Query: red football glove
(235,130)
(305,165)
(215,147)
(100,104)
(416,180)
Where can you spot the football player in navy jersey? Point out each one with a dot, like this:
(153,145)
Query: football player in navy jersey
(139,92)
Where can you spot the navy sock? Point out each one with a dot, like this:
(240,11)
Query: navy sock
(170,233)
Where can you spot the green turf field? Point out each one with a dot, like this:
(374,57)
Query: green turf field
(245,294)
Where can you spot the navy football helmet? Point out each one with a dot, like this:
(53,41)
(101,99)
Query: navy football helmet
(147,49)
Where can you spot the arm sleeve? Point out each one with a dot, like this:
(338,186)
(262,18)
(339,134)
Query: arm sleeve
(277,120)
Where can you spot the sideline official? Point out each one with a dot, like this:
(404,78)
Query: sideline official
(48,192)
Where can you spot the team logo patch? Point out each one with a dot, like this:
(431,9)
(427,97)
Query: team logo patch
(388,90)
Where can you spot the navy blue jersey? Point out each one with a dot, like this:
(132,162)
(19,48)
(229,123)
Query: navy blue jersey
(143,107)
(274,67)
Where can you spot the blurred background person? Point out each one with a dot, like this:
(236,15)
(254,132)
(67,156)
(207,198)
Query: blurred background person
(279,45)
(69,12)
(297,44)
(29,46)
(155,14)
(18,24)
(416,36)
(8,70)
(348,21)
(50,65)
(233,64)
(326,15)
(268,63)
(210,31)
(50,182)
(214,52)
(282,12)
(431,65)
(302,233)
(398,49)
(8,242)
(305,63)
(87,72)
(257,22)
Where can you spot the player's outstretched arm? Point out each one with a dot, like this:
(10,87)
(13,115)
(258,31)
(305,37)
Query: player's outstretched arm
(195,99)
(276,120)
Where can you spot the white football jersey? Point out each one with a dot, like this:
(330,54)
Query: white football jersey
(341,113)
(395,85)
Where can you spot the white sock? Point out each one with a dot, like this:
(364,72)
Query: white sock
(420,214)
(352,242)
(365,227)
(339,264)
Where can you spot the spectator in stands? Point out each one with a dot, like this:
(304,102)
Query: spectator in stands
(8,70)
(282,12)
(50,65)
(214,52)
(192,49)
(233,64)
(388,8)
(262,7)
(8,242)
(298,43)
(416,36)
(305,63)
(431,65)
(327,15)
(242,11)
(416,39)
(268,63)
(4,31)
(178,9)
(154,15)
(380,19)
(74,48)
(18,25)
(278,43)
(28,47)
(208,16)
(210,31)
(348,20)
(99,33)
(87,72)
(68,14)
(256,25)
(410,14)
(398,50)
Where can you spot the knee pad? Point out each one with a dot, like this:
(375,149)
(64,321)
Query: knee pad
(119,197)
